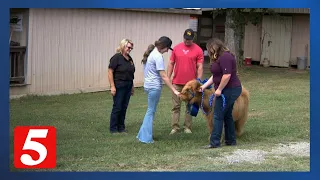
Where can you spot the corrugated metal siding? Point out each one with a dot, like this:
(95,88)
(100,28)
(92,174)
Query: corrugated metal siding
(252,44)
(69,49)
(300,38)
(277,40)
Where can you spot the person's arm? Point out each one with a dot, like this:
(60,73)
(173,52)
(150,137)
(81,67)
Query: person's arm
(132,90)
(171,64)
(224,81)
(170,69)
(160,67)
(110,76)
(200,61)
(166,80)
(112,66)
(226,67)
(111,81)
(208,83)
(199,70)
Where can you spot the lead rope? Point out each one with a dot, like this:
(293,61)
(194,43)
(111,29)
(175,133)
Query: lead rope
(210,103)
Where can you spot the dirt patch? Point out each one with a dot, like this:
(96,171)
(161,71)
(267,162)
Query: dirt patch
(296,149)
(258,156)
(252,156)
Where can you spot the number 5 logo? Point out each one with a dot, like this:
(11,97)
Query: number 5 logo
(35,147)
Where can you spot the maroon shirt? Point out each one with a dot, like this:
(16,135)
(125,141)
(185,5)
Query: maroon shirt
(226,64)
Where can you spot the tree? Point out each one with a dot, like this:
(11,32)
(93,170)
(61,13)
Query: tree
(236,20)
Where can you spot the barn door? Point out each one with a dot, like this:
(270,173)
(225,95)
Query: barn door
(205,30)
(276,40)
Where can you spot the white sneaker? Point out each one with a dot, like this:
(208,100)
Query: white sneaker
(173,131)
(188,131)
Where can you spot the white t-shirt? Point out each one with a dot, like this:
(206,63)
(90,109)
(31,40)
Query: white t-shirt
(155,63)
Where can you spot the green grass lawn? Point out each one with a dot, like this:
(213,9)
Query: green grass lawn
(279,113)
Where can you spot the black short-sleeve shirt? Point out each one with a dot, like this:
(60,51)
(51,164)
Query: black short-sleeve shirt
(123,69)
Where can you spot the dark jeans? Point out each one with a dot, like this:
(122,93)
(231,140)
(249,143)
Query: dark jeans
(120,104)
(220,117)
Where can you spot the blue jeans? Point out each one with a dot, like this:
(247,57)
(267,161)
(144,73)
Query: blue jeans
(145,132)
(120,105)
(225,116)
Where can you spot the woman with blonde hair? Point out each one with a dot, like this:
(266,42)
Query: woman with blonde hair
(121,74)
(154,74)
(226,82)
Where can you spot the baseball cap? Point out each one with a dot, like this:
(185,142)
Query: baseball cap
(166,41)
(188,34)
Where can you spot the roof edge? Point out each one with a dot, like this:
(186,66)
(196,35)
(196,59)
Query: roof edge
(163,10)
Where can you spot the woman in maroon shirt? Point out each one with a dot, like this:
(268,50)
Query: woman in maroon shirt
(227,84)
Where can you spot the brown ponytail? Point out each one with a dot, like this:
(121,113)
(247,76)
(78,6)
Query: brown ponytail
(158,44)
(147,53)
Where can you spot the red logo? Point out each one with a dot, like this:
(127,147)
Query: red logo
(34,147)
